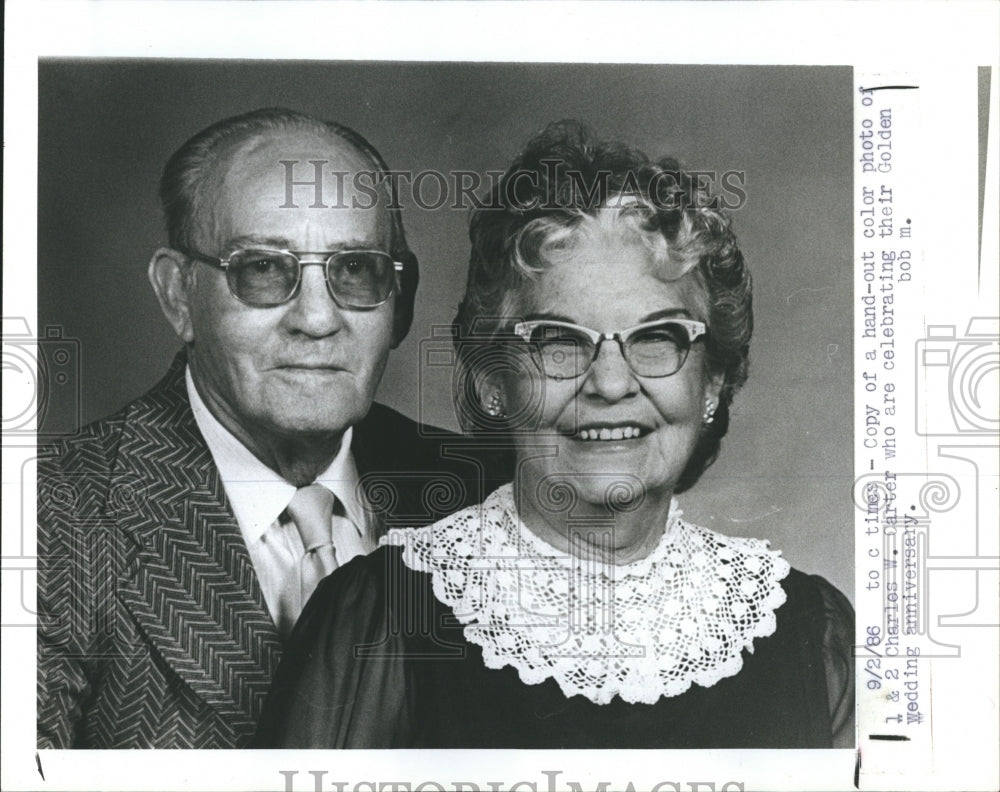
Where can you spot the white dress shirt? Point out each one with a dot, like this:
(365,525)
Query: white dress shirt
(258,497)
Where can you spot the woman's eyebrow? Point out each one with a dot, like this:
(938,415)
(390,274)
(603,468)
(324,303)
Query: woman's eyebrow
(667,313)
(552,317)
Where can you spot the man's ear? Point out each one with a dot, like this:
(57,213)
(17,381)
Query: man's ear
(171,275)
(400,327)
(402,309)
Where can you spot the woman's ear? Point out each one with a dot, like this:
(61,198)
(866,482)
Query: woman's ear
(491,391)
(713,391)
(172,277)
(713,388)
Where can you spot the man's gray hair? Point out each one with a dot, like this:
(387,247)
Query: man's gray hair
(186,171)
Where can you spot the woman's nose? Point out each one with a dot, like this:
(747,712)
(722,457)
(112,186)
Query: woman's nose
(610,377)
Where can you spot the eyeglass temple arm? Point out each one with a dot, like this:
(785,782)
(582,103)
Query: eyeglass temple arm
(215,261)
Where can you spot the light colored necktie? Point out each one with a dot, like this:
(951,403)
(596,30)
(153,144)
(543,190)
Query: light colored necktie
(311,509)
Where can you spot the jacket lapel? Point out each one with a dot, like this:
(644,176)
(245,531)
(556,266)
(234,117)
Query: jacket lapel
(191,586)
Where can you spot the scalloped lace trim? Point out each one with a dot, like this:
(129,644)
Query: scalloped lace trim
(640,631)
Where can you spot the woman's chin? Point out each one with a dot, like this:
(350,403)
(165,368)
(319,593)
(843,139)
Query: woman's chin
(619,489)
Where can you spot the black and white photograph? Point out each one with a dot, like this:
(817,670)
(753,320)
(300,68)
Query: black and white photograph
(535,407)
(651,626)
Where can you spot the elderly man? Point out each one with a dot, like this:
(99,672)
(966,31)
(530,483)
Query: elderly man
(180,538)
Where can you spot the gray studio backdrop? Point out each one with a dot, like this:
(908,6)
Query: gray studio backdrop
(106,127)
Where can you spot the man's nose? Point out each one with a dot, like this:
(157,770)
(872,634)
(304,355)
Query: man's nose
(610,377)
(313,311)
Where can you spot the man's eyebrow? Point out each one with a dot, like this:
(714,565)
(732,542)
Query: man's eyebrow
(283,243)
(257,240)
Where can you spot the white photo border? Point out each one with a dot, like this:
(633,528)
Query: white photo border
(885,40)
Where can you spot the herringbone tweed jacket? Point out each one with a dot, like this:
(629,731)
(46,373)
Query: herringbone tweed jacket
(152,628)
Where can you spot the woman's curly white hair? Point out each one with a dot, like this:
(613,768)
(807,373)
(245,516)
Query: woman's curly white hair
(563,180)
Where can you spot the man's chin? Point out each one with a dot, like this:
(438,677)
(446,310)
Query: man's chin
(314,419)
(311,426)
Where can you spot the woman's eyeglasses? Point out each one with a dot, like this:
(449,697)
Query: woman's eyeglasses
(265,278)
(653,349)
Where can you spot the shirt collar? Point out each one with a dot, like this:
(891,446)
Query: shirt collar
(257,494)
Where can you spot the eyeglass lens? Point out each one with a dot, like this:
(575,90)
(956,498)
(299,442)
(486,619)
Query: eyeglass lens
(359,279)
(657,351)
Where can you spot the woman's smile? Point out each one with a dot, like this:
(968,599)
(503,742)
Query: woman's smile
(614,432)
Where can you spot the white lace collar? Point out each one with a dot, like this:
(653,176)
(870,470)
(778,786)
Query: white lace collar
(641,631)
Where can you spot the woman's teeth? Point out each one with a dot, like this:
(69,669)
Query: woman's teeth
(618,433)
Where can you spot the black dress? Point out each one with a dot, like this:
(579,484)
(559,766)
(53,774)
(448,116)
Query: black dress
(377,660)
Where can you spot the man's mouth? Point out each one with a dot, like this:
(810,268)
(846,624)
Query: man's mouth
(309,366)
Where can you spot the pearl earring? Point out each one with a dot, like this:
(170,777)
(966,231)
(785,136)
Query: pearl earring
(709,414)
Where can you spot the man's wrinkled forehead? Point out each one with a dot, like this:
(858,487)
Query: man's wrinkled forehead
(272,174)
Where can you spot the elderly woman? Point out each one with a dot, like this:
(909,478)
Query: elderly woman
(603,335)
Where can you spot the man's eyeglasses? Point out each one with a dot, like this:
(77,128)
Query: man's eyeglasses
(265,278)
(653,349)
